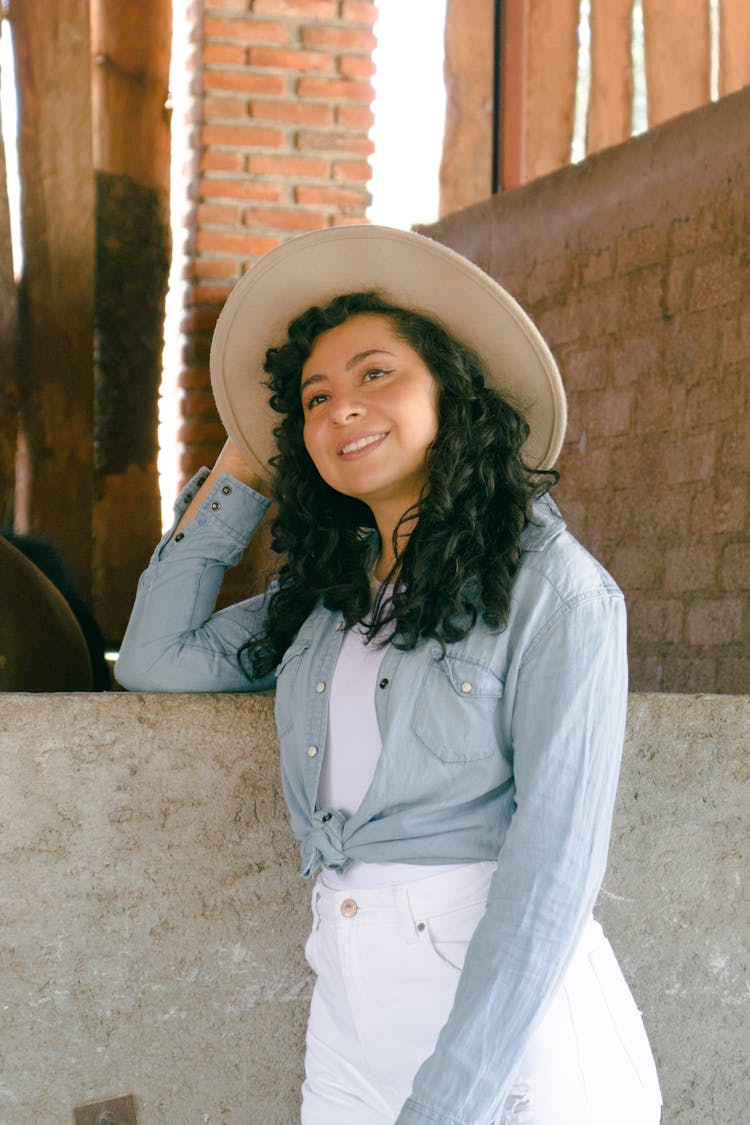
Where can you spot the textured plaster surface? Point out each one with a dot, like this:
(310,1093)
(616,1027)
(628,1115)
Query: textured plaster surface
(152,922)
(675,899)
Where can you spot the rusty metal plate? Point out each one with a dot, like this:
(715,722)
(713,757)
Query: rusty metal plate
(114,1111)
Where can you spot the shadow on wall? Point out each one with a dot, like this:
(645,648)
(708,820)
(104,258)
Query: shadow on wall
(49,639)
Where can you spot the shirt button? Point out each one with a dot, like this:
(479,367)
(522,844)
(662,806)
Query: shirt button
(339,626)
(420,926)
(466,687)
(226,489)
(188,496)
(349,908)
(320,687)
(326,817)
(383,683)
(180,535)
(215,506)
(312,751)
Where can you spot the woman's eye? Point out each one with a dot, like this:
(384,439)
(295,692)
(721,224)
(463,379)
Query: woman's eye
(375,373)
(314,401)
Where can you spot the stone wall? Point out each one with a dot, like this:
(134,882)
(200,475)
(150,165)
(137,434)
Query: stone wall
(634,264)
(151,921)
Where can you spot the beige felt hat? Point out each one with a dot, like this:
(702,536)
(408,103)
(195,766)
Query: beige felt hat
(408,270)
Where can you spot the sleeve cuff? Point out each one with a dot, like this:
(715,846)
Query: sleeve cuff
(223,525)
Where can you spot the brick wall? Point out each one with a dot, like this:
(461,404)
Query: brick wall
(635,265)
(281,95)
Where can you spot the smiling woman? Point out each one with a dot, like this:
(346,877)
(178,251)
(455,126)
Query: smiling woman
(450,682)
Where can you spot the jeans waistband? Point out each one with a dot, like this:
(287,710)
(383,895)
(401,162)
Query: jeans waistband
(403,904)
(406,905)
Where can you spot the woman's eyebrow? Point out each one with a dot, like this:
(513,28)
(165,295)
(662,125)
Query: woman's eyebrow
(363,355)
(312,379)
(350,363)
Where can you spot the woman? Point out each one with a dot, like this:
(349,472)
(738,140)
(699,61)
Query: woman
(451,683)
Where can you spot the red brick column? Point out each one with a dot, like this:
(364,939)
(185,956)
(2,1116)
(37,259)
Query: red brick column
(281,103)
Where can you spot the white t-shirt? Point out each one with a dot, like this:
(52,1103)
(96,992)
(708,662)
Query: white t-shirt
(352,750)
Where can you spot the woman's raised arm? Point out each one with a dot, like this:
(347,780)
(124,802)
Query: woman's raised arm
(174,640)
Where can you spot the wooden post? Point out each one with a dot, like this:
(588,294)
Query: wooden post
(131,51)
(514,38)
(550,84)
(610,113)
(8,354)
(678,54)
(734,45)
(54,491)
(466,167)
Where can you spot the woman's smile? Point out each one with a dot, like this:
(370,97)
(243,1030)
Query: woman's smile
(370,414)
(357,446)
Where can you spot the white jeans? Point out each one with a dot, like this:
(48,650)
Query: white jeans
(385,986)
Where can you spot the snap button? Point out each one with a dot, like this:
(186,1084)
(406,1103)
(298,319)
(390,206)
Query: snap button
(312,751)
(466,687)
(383,683)
(180,535)
(420,926)
(226,489)
(320,687)
(349,908)
(326,817)
(215,506)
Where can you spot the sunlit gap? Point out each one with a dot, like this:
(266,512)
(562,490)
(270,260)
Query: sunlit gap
(182,159)
(409,111)
(9,113)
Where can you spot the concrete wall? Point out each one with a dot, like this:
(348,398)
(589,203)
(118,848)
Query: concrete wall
(634,264)
(151,921)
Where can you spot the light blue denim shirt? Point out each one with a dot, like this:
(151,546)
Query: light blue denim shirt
(507,748)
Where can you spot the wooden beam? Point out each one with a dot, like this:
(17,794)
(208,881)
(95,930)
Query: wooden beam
(610,110)
(513,122)
(131,46)
(734,45)
(550,84)
(8,350)
(678,56)
(466,166)
(54,497)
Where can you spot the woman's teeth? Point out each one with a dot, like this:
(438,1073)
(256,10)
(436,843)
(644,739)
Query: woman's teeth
(355,445)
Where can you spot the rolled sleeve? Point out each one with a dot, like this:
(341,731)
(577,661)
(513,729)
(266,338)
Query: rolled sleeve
(174,640)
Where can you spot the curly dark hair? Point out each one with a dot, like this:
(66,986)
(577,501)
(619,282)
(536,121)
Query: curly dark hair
(459,561)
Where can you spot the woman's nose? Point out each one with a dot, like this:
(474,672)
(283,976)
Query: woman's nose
(345,410)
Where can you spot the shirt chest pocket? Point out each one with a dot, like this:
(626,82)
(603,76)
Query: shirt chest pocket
(455,714)
(287,674)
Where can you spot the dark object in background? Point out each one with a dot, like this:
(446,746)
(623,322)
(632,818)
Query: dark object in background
(49,639)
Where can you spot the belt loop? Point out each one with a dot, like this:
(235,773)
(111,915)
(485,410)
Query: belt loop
(315,908)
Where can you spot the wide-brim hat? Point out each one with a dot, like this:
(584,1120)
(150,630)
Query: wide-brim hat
(409,270)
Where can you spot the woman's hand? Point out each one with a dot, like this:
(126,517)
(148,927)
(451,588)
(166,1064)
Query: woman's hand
(231,461)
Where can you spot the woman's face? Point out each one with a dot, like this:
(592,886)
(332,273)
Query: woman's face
(370,409)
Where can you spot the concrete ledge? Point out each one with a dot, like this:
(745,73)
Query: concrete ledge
(151,921)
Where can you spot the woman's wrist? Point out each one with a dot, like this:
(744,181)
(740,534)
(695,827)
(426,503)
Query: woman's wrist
(230,461)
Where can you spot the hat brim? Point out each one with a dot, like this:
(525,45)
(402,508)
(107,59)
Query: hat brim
(409,270)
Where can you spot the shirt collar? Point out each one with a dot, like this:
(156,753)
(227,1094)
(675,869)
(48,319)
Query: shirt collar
(545,524)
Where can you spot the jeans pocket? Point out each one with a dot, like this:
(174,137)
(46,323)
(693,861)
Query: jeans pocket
(447,935)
